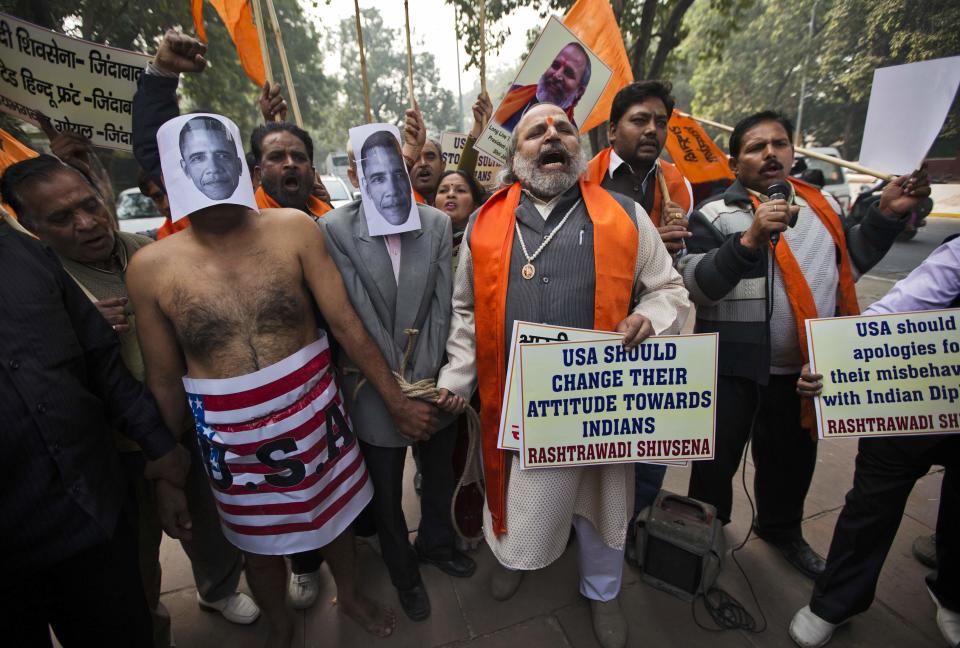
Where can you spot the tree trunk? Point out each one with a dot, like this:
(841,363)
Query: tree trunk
(647,16)
(599,139)
(669,38)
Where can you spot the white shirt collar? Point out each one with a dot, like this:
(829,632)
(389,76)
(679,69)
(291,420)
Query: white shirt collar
(616,161)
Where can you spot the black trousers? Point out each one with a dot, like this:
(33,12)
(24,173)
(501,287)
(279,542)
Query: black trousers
(92,599)
(436,535)
(784,454)
(886,470)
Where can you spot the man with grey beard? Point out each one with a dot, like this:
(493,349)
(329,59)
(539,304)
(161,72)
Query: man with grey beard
(552,247)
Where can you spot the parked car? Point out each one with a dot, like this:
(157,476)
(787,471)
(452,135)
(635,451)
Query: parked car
(340,193)
(136,212)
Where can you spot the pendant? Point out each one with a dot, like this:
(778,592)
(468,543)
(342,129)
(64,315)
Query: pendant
(528,271)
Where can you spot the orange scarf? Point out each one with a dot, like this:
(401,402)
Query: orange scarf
(599,166)
(797,288)
(517,100)
(315,206)
(491,243)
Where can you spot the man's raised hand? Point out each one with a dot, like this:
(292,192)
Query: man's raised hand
(904,193)
(482,111)
(272,104)
(771,216)
(180,53)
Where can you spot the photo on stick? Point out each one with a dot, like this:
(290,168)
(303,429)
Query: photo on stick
(203,164)
(385,189)
(560,70)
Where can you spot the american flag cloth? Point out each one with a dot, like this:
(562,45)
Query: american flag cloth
(283,462)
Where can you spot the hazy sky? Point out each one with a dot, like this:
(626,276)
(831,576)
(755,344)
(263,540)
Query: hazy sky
(431,21)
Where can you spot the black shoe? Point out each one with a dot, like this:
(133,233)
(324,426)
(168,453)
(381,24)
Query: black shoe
(803,558)
(415,602)
(456,564)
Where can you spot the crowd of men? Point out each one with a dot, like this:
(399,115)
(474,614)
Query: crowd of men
(249,381)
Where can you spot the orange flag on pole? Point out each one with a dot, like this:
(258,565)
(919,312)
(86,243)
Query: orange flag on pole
(697,156)
(238,18)
(594,23)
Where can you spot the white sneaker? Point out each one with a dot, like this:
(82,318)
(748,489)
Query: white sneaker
(303,589)
(236,608)
(948,621)
(810,631)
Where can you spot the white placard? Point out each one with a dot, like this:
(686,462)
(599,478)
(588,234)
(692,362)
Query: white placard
(511,412)
(908,104)
(385,188)
(203,164)
(81,86)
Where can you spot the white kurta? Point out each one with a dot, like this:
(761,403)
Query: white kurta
(541,503)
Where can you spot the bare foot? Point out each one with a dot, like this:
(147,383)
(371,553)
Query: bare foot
(373,618)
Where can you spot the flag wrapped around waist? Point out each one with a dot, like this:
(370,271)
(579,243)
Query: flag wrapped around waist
(697,157)
(284,465)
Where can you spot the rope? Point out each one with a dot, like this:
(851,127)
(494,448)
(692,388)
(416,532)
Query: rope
(426,390)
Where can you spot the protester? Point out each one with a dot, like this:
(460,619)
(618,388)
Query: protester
(70,549)
(886,470)
(563,283)
(400,286)
(758,306)
(425,173)
(561,84)
(458,196)
(631,164)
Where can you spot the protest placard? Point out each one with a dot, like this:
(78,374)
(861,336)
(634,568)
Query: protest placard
(887,375)
(81,86)
(908,105)
(597,402)
(451,148)
(560,70)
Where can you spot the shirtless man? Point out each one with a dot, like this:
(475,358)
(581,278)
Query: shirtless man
(227,299)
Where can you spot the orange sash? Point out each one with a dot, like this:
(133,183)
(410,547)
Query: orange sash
(491,243)
(516,100)
(599,166)
(316,206)
(797,288)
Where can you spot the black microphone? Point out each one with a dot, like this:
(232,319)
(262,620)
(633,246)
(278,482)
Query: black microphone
(779,191)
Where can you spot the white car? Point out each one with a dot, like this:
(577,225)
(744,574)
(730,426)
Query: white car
(340,193)
(136,212)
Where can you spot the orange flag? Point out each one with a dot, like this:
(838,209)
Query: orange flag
(697,156)
(238,18)
(594,23)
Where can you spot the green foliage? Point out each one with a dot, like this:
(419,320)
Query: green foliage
(760,64)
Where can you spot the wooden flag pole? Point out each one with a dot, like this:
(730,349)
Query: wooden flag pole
(853,166)
(291,90)
(363,64)
(483,47)
(262,37)
(664,193)
(406,13)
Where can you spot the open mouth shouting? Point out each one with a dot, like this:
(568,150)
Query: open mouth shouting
(290,182)
(553,158)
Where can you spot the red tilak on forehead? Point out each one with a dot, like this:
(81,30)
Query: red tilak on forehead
(550,120)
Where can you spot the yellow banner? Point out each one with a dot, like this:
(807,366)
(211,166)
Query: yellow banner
(595,402)
(887,375)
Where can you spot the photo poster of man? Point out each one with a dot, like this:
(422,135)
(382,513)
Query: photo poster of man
(560,70)
(385,189)
(203,164)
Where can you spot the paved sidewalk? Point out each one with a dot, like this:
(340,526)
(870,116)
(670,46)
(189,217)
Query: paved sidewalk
(548,611)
